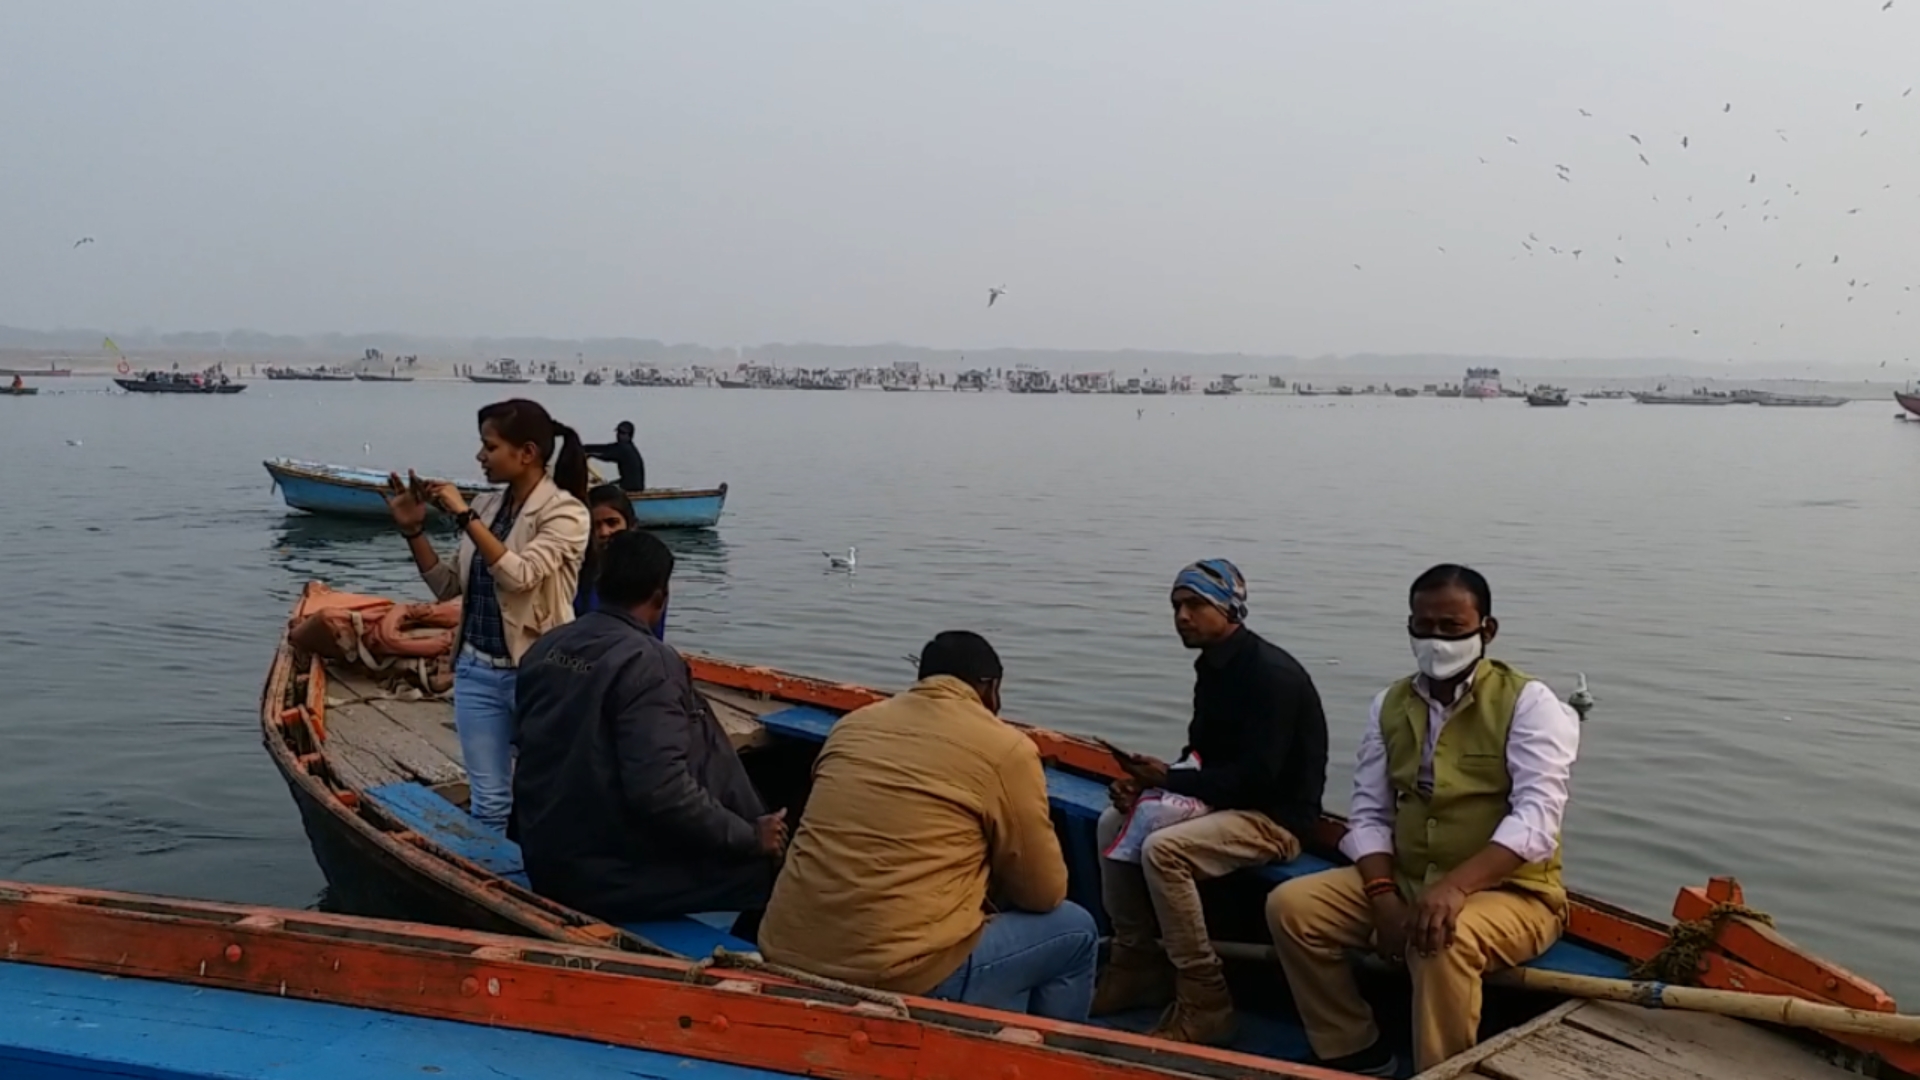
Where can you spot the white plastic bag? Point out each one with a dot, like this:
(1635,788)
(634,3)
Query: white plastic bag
(1155,809)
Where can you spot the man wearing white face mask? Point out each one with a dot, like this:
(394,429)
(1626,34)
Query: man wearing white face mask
(1454,831)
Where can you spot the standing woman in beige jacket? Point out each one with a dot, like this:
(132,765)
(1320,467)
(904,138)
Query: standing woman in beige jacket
(529,538)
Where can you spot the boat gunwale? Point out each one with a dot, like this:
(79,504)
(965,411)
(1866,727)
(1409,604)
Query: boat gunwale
(1592,922)
(752,1018)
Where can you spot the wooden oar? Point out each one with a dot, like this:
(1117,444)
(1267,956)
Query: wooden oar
(1767,1008)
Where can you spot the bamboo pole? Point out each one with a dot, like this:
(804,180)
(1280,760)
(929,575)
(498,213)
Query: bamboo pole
(1766,1008)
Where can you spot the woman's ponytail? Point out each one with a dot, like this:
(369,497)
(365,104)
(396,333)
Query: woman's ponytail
(570,465)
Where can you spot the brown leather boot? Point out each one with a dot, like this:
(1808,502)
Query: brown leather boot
(1202,1012)
(1133,980)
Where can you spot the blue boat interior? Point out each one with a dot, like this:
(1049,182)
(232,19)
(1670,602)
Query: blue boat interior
(75,1025)
(1269,1024)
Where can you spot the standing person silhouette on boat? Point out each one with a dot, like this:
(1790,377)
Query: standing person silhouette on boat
(516,571)
(1454,831)
(624,454)
(1260,737)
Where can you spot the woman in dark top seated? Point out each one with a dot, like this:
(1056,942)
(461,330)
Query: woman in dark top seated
(612,513)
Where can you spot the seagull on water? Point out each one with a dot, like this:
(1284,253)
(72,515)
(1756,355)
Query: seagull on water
(842,562)
(995,294)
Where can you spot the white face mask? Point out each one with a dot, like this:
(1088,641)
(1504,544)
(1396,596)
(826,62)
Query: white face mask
(1440,658)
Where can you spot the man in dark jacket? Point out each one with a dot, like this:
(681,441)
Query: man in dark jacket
(629,803)
(622,453)
(1257,759)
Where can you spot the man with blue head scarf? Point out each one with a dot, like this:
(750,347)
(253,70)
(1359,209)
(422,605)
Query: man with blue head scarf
(1256,755)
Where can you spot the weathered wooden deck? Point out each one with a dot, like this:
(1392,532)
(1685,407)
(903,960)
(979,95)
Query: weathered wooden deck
(1598,1040)
(376,737)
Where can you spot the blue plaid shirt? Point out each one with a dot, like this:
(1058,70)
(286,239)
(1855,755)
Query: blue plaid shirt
(482,626)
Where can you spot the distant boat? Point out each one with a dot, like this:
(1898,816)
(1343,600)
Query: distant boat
(559,378)
(19,391)
(346,491)
(48,372)
(1547,397)
(368,376)
(173,382)
(592,378)
(506,370)
(1799,401)
(1481,383)
(1698,397)
(1406,391)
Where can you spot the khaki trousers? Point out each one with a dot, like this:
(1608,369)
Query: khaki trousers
(1162,893)
(1315,919)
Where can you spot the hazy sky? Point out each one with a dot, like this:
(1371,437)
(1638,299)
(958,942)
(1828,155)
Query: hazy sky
(1179,176)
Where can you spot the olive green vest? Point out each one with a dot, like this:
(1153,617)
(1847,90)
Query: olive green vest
(1471,786)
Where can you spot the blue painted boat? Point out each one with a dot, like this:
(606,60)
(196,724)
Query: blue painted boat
(83,1025)
(101,985)
(380,791)
(346,491)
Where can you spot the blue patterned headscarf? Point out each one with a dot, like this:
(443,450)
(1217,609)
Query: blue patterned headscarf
(1220,583)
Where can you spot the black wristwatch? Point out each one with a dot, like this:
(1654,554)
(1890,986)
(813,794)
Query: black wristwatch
(465,517)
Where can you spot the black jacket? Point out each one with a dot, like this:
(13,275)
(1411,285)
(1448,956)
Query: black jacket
(628,801)
(1260,734)
(622,452)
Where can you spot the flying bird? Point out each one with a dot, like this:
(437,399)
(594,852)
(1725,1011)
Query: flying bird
(1728,107)
(1858,105)
(1513,140)
(1635,138)
(1836,260)
(1576,254)
(1356,266)
(1644,161)
(1751,177)
(1443,251)
(1584,112)
(1855,210)
(1683,142)
(1619,261)
(83,240)
(995,294)
(1483,161)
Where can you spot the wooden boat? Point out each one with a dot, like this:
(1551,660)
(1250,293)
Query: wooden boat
(378,785)
(99,984)
(1799,401)
(345,491)
(1909,402)
(368,376)
(19,391)
(155,382)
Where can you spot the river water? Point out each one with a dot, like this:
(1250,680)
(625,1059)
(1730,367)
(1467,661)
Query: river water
(1736,583)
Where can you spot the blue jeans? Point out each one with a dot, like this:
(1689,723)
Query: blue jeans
(1038,964)
(483,715)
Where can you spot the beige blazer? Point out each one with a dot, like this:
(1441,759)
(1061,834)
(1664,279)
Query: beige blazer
(538,576)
